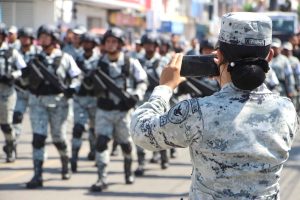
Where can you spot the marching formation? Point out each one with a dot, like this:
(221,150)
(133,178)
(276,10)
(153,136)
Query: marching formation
(102,81)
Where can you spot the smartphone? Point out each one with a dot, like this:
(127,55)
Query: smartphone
(199,66)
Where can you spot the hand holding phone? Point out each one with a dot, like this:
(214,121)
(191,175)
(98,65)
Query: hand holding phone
(199,66)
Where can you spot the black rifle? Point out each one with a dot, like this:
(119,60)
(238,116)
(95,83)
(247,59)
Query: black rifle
(155,81)
(111,86)
(205,88)
(41,70)
(98,83)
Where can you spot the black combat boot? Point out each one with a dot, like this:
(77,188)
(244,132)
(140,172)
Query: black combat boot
(129,179)
(101,184)
(155,157)
(74,159)
(164,159)
(65,172)
(10,151)
(114,151)
(92,141)
(91,155)
(173,153)
(141,161)
(37,180)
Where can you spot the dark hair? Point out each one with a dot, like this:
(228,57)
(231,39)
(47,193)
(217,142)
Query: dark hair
(247,64)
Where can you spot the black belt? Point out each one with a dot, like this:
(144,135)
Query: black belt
(109,105)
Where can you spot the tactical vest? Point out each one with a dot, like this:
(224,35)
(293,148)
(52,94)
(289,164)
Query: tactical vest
(125,72)
(33,51)
(6,67)
(87,86)
(151,69)
(45,87)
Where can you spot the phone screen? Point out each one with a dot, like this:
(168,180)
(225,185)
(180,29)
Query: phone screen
(199,66)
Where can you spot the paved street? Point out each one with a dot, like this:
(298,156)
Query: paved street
(172,183)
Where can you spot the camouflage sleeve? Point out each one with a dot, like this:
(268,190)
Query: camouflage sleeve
(19,60)
(19,63)
(154,128)
(140,77)
(289,77)
(297,75)
(74,72)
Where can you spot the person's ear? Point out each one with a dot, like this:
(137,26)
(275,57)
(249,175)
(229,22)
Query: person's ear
(270,55)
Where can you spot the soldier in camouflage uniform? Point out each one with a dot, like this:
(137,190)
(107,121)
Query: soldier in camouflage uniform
(12,38)
(284,72)
(153,64)
(113,114)
(166,55)
(73,47)
(85,102)
(28,50)
(48,103)
(238,137)
(287,50)
(139,51)
(11,66)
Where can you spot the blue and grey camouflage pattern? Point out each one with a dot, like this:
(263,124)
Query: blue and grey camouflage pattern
(52,109)
(246,28)
(284,72)
(238,139)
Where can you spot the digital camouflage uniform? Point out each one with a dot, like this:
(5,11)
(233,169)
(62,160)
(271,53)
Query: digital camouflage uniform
(11,65)
(284,72)
(22,91)
(84,108)
(295,64)
(238,139)
(113,121)
(153,67)
(231,135)
(48,105)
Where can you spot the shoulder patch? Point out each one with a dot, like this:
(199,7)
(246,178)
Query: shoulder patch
(194,105)
(163,120)
(179,112)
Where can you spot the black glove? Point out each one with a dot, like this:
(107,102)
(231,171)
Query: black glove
(7,79)
(69,92)
(88,81)
(105,104)
(128,104)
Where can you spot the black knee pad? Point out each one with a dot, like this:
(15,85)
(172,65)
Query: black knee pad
(60,145)
(101,144)
(18,117)
(78,130)
(38,141)
(6,128)
(126,148)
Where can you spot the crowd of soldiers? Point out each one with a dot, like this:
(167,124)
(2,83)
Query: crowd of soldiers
(102,81)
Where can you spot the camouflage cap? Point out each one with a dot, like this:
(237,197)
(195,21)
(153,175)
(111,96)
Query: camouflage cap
(276,42)
(246,28)
(288,46)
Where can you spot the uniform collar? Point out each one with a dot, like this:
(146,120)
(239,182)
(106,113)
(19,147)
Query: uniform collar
(262,89)
(55,53)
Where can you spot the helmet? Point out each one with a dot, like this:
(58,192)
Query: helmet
(138,42)
(90,37)
(165,40)
(3,29)
(206,43)
(79,30)
(114,32)
(26,32)
(49,30)
(151,38)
